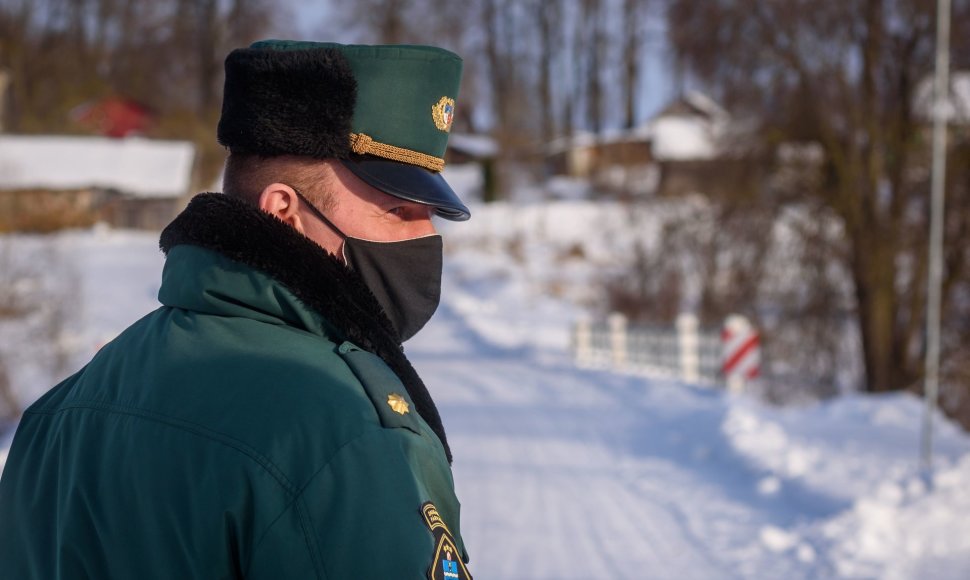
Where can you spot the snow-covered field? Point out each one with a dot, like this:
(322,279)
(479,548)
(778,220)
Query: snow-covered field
(568,473)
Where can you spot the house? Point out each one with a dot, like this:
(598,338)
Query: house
(572,156)
(52,182)
(113,117)
(688,129)
(658,157)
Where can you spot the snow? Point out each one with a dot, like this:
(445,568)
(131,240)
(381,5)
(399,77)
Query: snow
(464,178)
(681,138)
(956,108)
(136,166)
(689,136)
(481,146)
(568,473)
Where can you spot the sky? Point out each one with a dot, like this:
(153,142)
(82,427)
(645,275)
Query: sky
(658,84)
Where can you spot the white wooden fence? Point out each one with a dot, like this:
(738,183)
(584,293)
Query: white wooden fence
(685,352)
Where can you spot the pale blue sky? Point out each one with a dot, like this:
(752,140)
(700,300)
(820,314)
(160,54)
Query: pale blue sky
(314,21)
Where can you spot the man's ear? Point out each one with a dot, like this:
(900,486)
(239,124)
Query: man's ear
(280,200)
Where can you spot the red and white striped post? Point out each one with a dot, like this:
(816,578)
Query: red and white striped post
(740,352)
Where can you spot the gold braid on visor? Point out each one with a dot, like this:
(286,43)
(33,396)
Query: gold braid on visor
(362,144)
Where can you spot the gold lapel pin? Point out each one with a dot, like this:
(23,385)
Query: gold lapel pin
(397,403)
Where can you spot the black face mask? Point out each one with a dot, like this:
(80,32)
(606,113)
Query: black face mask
(404,276)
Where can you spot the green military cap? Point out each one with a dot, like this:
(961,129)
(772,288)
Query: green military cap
(385,111)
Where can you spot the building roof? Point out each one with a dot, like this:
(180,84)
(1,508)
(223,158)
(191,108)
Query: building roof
(113,117)
(687,129)
(693,104)
(480,146)
(578,140)
(134,166)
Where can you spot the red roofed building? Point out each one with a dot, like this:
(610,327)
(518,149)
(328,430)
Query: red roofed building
(113,117)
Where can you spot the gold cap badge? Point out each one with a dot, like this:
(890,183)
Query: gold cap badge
(443,113)
(397,403)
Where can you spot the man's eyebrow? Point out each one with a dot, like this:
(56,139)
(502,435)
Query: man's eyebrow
(392,202)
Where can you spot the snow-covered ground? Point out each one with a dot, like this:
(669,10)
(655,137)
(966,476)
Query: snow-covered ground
(568,473)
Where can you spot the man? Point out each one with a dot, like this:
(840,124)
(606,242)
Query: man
(264,422)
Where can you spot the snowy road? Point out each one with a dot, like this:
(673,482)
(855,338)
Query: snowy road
(568,474)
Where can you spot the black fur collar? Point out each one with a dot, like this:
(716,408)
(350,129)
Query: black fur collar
(248,235)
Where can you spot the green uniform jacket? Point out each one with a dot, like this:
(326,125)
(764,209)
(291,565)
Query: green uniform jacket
(233,433)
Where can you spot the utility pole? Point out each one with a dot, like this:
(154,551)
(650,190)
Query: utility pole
(938,178)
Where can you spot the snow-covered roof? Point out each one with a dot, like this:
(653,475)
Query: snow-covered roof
(465,179)
(640,133)
(578,140)
(475,145)
(135,166)
(693,104)
(705,104)
(688,129)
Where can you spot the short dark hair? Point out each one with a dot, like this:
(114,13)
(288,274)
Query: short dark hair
(246,175)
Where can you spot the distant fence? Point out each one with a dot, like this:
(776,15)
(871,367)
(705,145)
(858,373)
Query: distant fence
(729,355)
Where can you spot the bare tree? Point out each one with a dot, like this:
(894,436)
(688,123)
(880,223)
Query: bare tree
(594,38)
(844,75)
(167,54)
(547,16)
(634,15)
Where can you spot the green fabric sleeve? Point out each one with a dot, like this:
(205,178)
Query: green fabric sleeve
(359,517)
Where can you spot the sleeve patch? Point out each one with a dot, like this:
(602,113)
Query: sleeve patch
(447,563)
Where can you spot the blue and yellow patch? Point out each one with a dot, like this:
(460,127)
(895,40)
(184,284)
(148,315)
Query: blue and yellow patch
(447,563)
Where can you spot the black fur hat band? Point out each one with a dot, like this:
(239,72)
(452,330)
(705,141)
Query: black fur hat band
(293,102)
(385,111)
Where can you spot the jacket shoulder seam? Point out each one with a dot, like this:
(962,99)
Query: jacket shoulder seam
(306,521)
(307,524)
(295,503)
(188,426)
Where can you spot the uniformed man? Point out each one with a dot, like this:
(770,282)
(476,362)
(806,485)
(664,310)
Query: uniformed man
(264,422)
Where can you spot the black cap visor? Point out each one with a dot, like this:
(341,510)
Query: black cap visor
(409,182)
